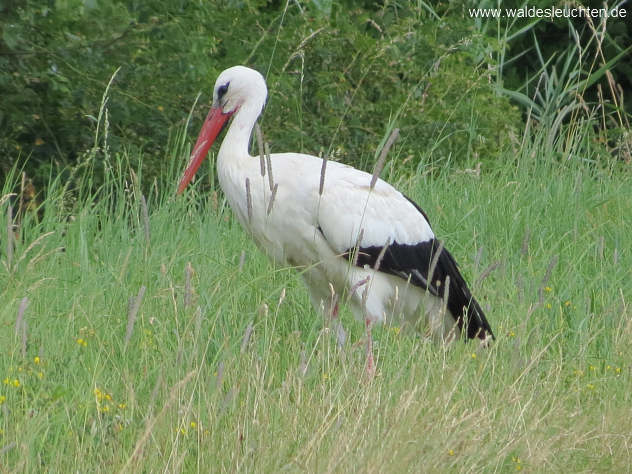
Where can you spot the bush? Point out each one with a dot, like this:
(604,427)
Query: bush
(338,77)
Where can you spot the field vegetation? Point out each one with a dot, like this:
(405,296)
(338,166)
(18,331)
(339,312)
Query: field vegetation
(145,332)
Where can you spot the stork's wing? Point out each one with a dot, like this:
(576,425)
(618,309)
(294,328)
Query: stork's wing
(351,213)
(359,222)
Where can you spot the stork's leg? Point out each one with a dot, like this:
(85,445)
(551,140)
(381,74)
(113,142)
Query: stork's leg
(326,304)
(370,363)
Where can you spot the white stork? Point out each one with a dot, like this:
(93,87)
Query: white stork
(369,243)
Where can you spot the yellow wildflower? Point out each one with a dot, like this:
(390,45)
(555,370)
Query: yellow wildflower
(451,452)
(36,360)
(3,398)
(16,383)
(473,355)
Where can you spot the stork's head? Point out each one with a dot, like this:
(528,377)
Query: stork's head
(239,85)
(236,88)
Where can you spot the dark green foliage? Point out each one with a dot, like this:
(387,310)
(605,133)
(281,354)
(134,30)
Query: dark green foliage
(338,75)
(353,78)
(568,72)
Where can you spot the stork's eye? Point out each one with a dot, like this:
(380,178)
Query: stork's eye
(221,91)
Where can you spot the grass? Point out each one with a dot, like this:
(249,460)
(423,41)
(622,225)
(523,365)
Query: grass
(139,338)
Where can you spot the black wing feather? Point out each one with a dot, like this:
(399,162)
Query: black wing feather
(413,262)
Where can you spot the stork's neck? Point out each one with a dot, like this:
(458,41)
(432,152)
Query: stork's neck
(237,139)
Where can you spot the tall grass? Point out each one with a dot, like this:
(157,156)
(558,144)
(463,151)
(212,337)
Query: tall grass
(222,364)
(145,332)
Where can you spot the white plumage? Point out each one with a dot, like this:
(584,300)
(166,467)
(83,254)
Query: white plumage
(336,237)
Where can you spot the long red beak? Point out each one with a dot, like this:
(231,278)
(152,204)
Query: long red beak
(213,124)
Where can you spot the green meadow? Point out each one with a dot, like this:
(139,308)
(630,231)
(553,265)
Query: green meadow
(148,333)
(142,331)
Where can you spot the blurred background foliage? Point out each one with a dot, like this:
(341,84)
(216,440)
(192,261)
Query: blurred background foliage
(340,73)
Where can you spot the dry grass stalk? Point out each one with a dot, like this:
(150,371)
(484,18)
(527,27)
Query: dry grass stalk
(246,339)
(173,393)
(262,311)
(478,257)
(272,198)
(301,46)
(188,290)
(321,188)
(433,264)
(6,197)
(20,324)
(269,165)
(525,243)
(303,364)
(599,37)
(219,378)
(7,448)
(248,199)
(259,135)
(357,285)
(379,165)
(32,245)
(545,280)
(281,298)
(228,400)
(339,330)
(10,236)
(365,297)
(333,302)
(446,295)
(380,256)
(21,200)
(153,396)
(549,270)
(131,316)
(145,214)
(487,272)
(41,255)
(356,248)
(242,260)
(198,322)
